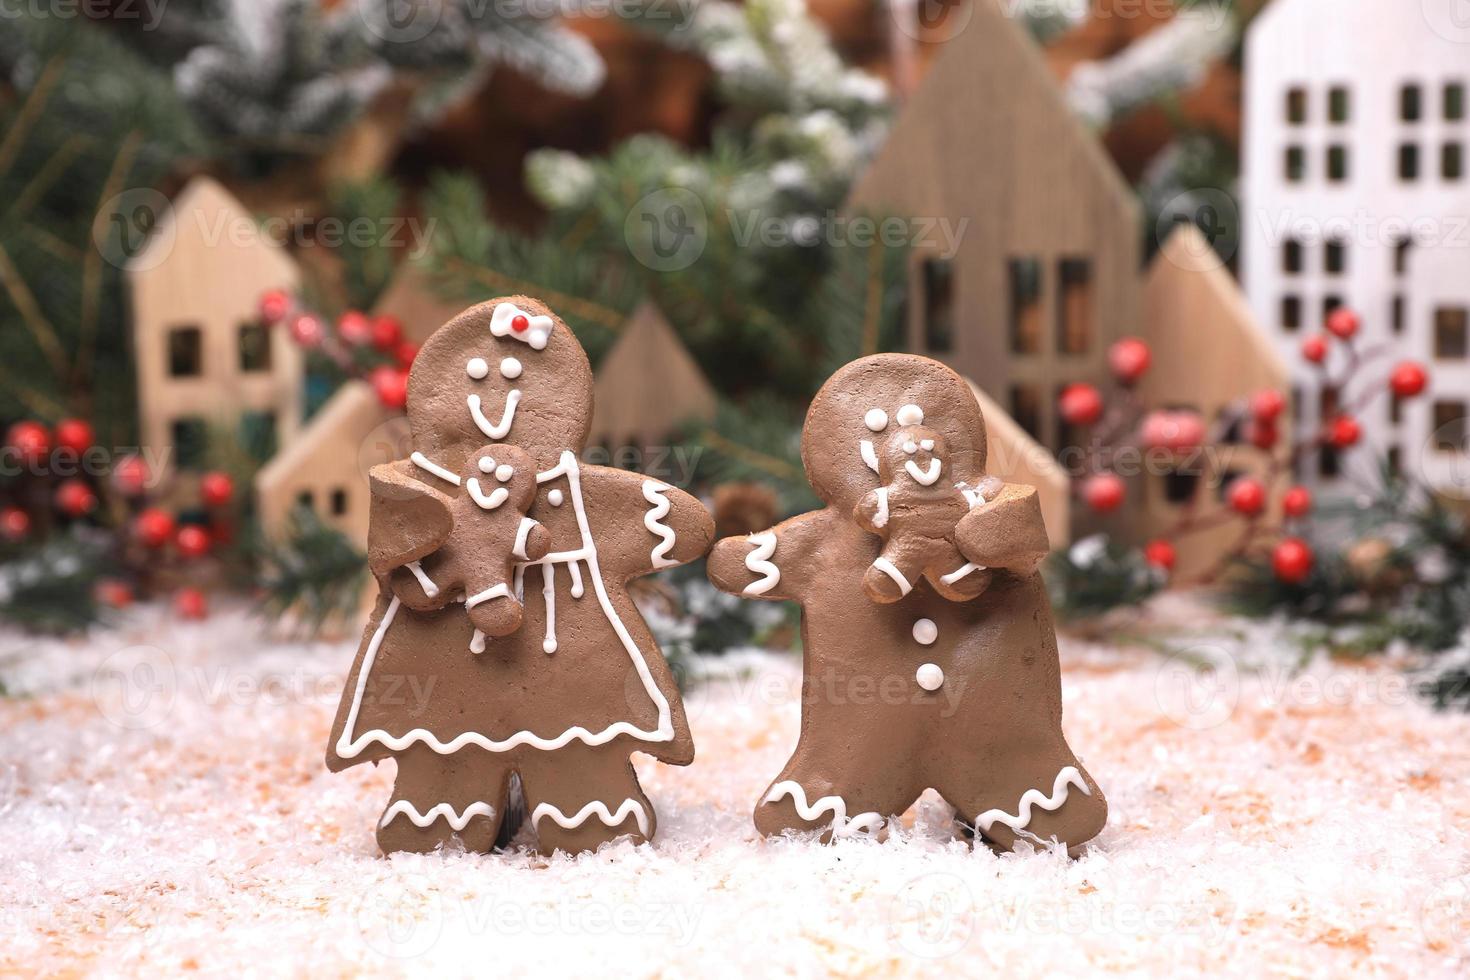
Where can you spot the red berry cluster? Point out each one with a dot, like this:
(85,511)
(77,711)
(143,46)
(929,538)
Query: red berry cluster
(369,347)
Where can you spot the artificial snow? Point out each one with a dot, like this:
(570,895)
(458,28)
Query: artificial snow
(164,807)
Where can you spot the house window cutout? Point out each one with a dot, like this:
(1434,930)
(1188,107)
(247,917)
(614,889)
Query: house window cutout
(1395,461)
(1408,162)
(306,500)
(1296,105)
(1329,463)
(1396,314)
(339,502)
(1296,164)
(1337,163)
(185,352)
(1291,313)
(1329,304)
(1452,160)
(258,435)
(1401,250)
(1339,104)
(1292,257)
(938,286)
(1025,291)
(1180,487)
(1451,333)
(1395,409)
(190,442)
(1449,427)
(1411,103)
(1454,101)
(1074,306)
(1334,257)
(1026,409)
(255,348)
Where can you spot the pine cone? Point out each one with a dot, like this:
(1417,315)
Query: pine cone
(743,508)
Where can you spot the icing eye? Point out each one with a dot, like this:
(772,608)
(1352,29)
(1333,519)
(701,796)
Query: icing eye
(487,465)
(927,445)
(477,368)
(876,419)
(910,448)
(510,369)
(554,498)
(910,415)
(504,472)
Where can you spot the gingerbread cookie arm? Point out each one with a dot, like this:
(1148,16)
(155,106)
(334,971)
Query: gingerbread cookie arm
(407,520)
(664,526)
(1006,532)
(771,564)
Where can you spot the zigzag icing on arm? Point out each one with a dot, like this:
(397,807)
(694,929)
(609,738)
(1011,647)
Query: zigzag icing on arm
(457,821)
(609,817)
(759,562)
(863,823)
(654,521)
(1035,798)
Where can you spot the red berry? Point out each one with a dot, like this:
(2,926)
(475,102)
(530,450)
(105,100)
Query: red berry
(192,541)
(1409,379)
(1103,492)
(130,476)
(1246,496)
(1292,561)
(519,323)
(355,328)
(191,604)
(1175,431)
(387,333)
(1264,435)
(216,488)
(15,523)
(75,499)
(274,305)
(405,353)
(1314,349)
(111,592)
(1268,405)
(154,527)
(1129,358)
(30,441)
(307,331)
(1344,432)
(1161,554)
(1081,404)
(391,384)
(1342,323)
(1297,502)
(76,435)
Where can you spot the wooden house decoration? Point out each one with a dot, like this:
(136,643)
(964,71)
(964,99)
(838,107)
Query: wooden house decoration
(1356,178)
(324,468)
(647,385)
(1015,457)
(1047,232)
(1209,356)
(205,362)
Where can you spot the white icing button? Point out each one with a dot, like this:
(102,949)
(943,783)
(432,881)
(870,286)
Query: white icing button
(910,448)
(554,498)
(486,464)
(930,677)
(510,368)
(925,631)
(876,419)
(477,368)
(910,415)
(504,472)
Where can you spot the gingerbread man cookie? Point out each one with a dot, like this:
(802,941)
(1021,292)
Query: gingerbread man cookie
(925,691)
(563,700)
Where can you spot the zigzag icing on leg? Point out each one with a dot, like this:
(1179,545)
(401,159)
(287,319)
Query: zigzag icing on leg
(1034,798)
(863,823)
(612,818)
(457,821)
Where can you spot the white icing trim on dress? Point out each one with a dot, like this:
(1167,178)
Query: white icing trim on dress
(1034,798)
(477,642)
(507,416)
(425,463)
(348,747)
(522,533)
(426,583)
(961,572)
(862,823)
(535,335)
(888,568)
(927,477)
(865,449)
(498,591)
(548,593)
(611,818)
(488,501)
(759,562)
(654,520)
(880,519)
(457,821)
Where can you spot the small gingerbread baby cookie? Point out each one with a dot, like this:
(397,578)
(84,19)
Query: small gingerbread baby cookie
(915,512)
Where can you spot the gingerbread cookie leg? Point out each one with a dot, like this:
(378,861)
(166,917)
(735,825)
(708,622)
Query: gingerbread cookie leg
(579,804)
(1043,799)
(835,790)
(439,797)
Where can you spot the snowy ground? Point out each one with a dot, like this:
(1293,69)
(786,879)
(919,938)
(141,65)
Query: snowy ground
(163,806)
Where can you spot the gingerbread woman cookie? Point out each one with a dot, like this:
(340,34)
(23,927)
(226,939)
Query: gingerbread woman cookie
(564,699)
(925,691)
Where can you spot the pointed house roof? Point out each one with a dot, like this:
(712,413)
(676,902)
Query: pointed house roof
(648,383)
(206,224)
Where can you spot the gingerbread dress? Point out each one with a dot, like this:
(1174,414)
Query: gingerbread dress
(922,692)
(565,698)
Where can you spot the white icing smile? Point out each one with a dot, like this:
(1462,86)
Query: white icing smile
(927,477)
(494,431)
(489,501)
